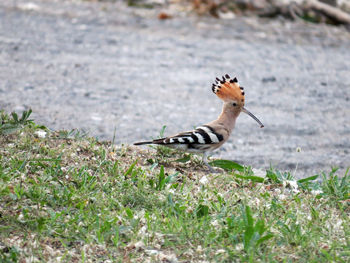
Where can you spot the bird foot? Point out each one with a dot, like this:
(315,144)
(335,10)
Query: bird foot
(212,170)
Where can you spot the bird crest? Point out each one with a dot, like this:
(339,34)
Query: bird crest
(228,89)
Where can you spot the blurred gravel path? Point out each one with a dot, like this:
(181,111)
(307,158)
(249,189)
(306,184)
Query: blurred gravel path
(102,67)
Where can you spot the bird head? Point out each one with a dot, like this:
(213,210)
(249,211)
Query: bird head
(229,90)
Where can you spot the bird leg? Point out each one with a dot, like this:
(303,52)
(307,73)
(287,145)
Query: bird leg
(205,161)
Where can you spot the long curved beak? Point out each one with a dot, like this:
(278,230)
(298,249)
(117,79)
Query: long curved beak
(252,115)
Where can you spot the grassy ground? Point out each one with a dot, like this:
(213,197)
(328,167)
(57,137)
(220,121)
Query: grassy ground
(65,197)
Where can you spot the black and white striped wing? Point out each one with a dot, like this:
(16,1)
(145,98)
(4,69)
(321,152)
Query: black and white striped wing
(202,138)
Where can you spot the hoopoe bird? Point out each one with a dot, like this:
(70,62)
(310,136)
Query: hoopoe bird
(207,138)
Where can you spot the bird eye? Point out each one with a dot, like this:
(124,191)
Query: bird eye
(234,104)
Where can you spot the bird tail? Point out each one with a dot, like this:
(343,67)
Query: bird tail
(158,141)
(142,143)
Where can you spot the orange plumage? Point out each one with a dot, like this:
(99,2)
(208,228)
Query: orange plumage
(228,89)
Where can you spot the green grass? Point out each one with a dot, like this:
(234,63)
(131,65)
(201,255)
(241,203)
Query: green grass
(72,198)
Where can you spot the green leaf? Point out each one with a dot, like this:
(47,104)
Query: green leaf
(253,178)
(202,210)
(249,227)
(264,238)
(314,213)
(14,116)
(184,159)
(161,179)
(129,213)
(162,131)
(153,166)
(248,235)
(272,176)
(249,217)
(227,165)
(7,129)
(260,227)
(311,178)
(170,178)
(151,182)
(25,115)
(130,169)
(170,200)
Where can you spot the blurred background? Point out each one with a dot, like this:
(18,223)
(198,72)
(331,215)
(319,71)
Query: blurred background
(125,69)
